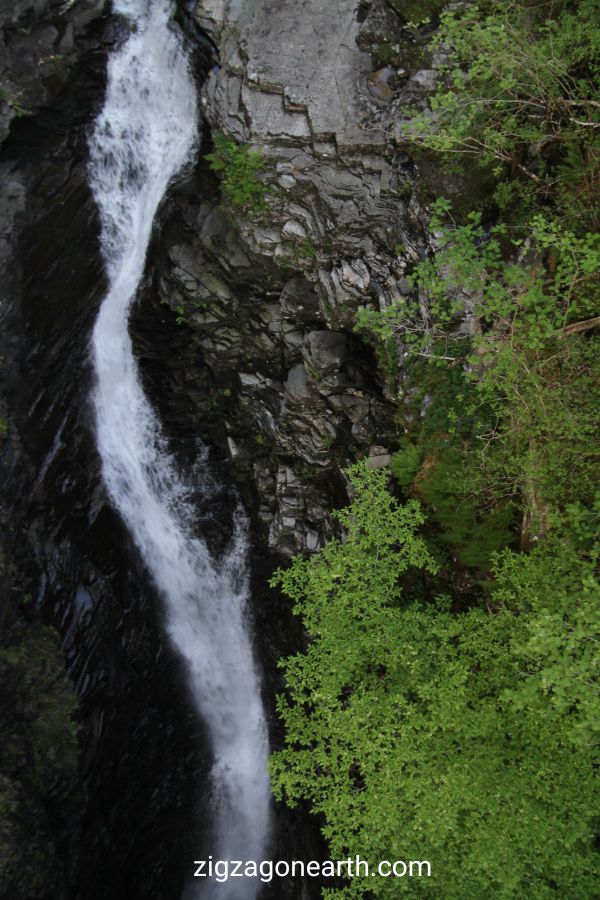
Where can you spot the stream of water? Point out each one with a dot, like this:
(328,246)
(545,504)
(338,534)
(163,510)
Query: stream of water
(145,134)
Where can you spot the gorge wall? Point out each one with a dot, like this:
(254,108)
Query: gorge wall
(270,300)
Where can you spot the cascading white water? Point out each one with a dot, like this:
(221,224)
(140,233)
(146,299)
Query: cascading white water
(145,134)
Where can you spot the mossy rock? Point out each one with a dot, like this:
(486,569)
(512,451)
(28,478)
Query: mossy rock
(467,184)
(417,10)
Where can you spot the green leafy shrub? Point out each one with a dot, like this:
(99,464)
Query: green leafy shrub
(471,739)
(522,301)
(240,169)
(405,462)
(472,532)
(527,383)
(468,740)
(519,90)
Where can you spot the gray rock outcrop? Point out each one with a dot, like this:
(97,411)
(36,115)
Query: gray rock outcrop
(275,296)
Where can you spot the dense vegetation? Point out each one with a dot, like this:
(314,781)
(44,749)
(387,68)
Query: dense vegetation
(466,739)
(447,707)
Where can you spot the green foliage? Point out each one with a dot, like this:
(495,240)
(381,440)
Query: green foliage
(472,533)
(526,302)
(18,109)
(528,363)
(405,462)
(307,248)
(446,400)
(527,384)
(546,434)
(469,740)
(519,90)
(415,11)
(240,170)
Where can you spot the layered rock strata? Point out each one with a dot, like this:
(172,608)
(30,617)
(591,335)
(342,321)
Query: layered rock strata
(275,296)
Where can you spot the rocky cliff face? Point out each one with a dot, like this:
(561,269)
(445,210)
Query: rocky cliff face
(270,300)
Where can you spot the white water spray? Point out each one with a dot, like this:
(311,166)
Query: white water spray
(145,134)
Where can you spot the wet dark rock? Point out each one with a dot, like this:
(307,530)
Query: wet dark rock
(379,458)
(41,42)
(327,350)
(299,301)
(297,386)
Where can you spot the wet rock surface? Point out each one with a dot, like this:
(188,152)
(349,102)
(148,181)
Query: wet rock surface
(40,43)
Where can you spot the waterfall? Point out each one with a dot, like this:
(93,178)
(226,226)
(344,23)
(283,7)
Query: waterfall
(144,135)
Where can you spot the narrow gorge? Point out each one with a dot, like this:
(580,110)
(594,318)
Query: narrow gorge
(242,248)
